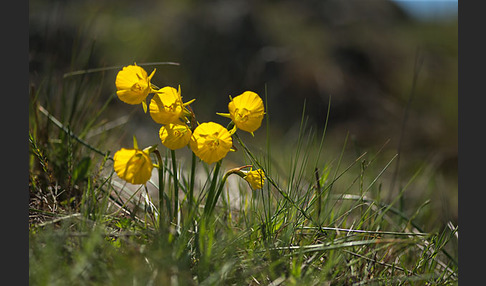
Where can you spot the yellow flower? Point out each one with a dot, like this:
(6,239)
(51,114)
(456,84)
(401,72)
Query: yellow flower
(133,165)
(133,85)
(255,178)
(211,142)
(175,136)
(166,106)
(246,111)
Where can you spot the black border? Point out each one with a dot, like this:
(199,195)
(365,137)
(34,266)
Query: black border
(14,118)
(471,143)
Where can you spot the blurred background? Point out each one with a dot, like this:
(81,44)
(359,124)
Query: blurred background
(375,62)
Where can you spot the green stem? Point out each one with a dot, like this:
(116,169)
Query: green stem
(191,183)
(237,171)
(161,186)
(176,184)
(211,195)
(219,191)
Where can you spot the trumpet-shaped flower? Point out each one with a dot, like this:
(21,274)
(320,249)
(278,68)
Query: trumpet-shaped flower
(246,111)
(175,136)
(256,178)
(166,106)
(211,142)
(133,165)
(133,85)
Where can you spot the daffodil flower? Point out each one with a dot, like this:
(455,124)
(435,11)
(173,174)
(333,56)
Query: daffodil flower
(255,178)
(175,136)
(167,107)
(211,142)
(246,111)
(133,165)
(133,85)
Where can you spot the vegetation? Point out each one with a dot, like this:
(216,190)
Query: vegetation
(319,216)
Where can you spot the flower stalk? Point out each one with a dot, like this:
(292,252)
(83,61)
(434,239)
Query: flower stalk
(176,183)
(161,186)
(208,208)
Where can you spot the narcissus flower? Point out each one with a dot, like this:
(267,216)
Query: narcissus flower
(256,178)
(167,107)
(133,85)
(175,136)
(246,111)
(211,142)
(133,165)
